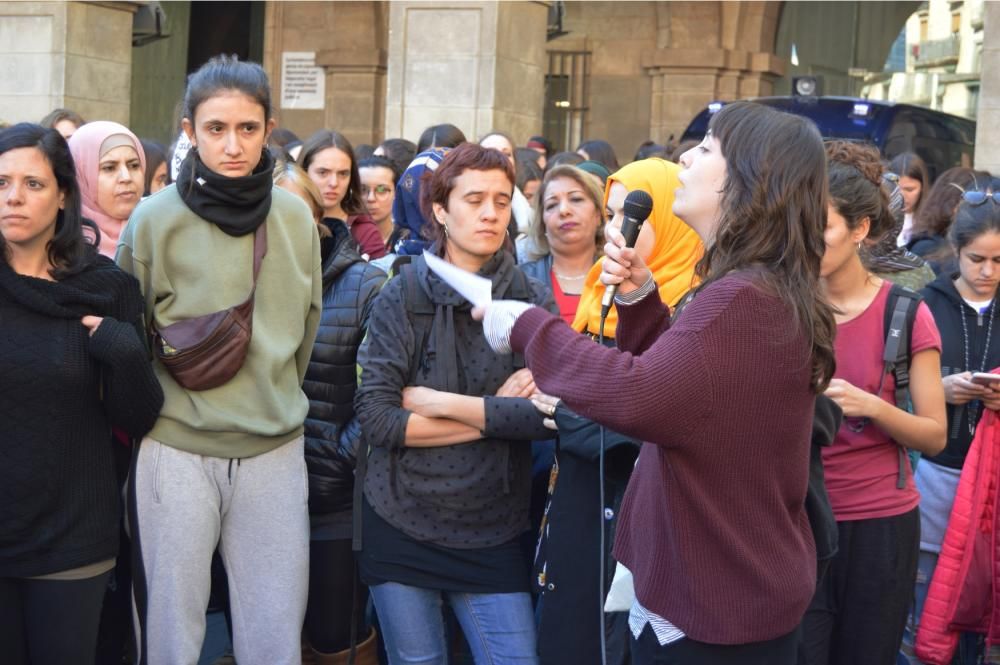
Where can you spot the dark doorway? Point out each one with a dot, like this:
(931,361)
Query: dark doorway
(225,27)
(567,91)
(197,31)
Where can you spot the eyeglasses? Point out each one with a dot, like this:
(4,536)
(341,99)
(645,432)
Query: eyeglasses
(978,198)
(380,191)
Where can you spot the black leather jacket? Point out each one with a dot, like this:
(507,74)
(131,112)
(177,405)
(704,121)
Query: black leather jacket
(332,432)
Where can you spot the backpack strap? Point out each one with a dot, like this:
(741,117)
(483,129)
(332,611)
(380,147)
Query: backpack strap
(900,314)
(420,312)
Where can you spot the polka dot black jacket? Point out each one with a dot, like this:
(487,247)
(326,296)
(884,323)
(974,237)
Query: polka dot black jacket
(421,333)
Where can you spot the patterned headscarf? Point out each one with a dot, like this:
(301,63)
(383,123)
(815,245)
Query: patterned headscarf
(885,256)
(406,215)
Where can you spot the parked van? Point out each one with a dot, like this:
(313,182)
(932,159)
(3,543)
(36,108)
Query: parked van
(940,139)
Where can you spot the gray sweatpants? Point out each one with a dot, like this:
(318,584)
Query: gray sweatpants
(181,506)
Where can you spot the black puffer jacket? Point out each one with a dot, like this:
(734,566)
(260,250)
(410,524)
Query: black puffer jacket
(332,432)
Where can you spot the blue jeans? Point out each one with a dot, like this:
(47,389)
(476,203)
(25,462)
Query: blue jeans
(499,627)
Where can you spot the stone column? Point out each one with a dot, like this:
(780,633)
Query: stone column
(686,79)
(709,51)
(350,41)
(987,140)
(477,65)
(75,55)
(762,75)
(358,77)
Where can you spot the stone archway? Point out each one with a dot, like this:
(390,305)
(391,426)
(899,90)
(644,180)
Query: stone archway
(707,51)
(732,50)
(834,38)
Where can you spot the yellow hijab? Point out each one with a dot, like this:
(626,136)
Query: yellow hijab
(675,252)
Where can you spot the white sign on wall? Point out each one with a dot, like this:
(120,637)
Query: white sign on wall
(303,84)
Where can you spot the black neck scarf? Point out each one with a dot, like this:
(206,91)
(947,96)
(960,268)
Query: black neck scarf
(236,205)
(449,370)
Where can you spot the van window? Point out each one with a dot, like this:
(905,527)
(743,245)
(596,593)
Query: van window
(942,140)
(932,136)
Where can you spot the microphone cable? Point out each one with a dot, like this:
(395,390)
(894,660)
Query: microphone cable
(603,556)
(636,208)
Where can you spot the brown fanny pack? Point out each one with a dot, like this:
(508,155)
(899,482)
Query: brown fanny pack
(207,351)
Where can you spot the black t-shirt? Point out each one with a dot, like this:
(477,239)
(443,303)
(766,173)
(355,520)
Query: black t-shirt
(389,555)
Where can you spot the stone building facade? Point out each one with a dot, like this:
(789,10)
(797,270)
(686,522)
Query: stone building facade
(941,45)
(988,142)
(65,54)
(623,71)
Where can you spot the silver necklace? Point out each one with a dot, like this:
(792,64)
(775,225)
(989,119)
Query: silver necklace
(974,406)
(569,278)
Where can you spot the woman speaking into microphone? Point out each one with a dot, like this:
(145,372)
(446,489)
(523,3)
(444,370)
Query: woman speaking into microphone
(713,525)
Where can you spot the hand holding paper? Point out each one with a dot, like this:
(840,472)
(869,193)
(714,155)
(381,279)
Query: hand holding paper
(498,318)
(477,290)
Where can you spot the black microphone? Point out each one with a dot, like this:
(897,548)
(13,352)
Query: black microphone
(638,205)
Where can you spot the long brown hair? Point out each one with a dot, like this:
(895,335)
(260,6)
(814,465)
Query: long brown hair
(773,214)
(938,208)
(292,173)
(353,203)
(909,165)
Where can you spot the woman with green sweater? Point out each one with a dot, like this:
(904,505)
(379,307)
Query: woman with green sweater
(224,466)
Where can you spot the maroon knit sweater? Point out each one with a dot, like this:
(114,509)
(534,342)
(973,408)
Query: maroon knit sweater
(713,525)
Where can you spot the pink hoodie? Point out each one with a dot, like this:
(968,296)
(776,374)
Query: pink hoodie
(85,144)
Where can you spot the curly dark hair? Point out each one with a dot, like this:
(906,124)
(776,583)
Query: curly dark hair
(855,177)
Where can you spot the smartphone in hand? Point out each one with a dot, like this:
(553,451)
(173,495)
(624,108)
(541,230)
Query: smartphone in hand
(985,378)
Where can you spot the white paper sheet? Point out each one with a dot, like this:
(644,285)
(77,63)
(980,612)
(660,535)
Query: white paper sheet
(477,290)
